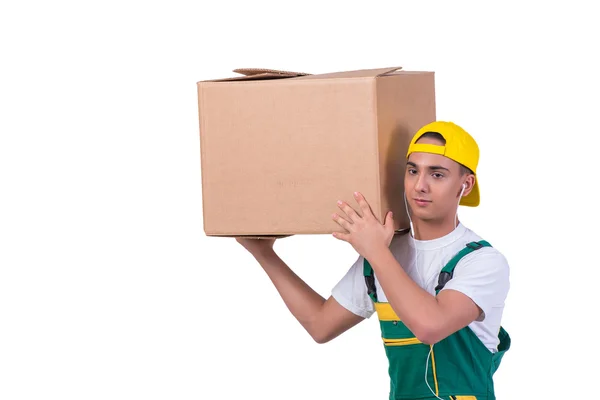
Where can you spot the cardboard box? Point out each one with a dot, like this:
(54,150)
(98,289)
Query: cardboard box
(278,148)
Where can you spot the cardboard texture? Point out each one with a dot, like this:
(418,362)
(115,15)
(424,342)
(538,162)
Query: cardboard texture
(279,148)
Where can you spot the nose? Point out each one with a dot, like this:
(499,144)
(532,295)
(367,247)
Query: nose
(421,184)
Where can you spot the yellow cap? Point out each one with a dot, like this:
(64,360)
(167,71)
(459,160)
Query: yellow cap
(460,147)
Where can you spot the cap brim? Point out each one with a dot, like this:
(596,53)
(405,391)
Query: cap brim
(472,199)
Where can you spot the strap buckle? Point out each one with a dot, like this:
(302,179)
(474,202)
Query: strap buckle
(443,278)
(474,245)
(371,289)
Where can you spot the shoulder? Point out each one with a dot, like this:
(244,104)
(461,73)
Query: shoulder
(484,260)
(484,266)
(484,253)
(484,276)
(487,263)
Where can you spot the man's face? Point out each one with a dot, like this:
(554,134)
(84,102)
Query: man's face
(432,184)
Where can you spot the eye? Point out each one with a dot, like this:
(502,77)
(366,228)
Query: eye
(437,175)
(412,171)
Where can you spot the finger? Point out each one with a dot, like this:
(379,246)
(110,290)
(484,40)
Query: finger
(364,205)
(389,220)
(341,236)
(341,221)
(350,212)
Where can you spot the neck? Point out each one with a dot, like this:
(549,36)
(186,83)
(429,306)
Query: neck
(430,230)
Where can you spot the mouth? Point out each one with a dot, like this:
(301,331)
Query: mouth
(422,202)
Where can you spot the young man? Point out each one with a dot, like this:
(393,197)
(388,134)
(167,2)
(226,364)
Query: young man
(438,291)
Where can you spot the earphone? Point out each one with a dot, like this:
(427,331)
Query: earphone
(464,186)
(412,229)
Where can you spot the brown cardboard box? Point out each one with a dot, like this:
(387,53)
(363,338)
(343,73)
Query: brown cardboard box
(278,148)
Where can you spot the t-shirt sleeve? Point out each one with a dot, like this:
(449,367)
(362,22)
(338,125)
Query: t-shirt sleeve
(351,291)
(483,275)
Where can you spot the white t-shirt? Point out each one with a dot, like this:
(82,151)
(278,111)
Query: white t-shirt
(483,275)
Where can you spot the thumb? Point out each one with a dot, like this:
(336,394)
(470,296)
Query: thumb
(389,220)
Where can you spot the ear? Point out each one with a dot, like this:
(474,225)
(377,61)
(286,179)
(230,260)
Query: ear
(469,183)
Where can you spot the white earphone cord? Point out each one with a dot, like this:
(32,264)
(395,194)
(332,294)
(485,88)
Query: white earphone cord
(417,269)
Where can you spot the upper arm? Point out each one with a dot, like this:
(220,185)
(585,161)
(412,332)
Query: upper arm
(333,320)
(351,291)
(348,305)
(480,282)
(456,310)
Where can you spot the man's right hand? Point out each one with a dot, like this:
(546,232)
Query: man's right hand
(257,247)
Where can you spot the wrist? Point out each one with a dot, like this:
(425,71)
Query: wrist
(264,254)
(379,256)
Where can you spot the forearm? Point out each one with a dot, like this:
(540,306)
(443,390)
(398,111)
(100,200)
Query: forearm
(418,309)
(302,301)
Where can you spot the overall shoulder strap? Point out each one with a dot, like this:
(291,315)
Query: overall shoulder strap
(448,270)
(370,280)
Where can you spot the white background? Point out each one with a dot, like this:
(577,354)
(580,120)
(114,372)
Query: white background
(109,288)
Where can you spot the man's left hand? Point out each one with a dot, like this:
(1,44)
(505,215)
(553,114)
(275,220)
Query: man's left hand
(365,233)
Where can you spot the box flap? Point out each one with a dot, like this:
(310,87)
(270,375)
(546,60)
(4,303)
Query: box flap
(256,71)
(363,73)
(258,74)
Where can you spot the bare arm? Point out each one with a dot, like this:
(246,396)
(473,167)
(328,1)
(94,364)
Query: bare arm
(430,318)
(323,319)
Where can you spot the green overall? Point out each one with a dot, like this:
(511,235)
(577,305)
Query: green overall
(459,366)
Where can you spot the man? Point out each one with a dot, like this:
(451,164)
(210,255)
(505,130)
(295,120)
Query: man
(439,290)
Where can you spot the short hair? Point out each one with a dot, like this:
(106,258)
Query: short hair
(438,136)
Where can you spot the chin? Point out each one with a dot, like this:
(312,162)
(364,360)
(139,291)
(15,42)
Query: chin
(423,215)
(428,214)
